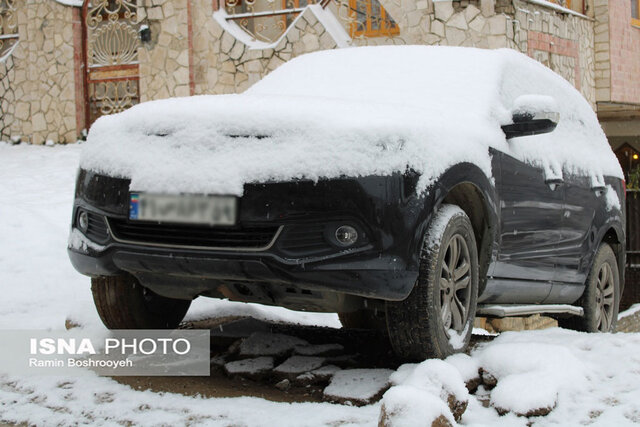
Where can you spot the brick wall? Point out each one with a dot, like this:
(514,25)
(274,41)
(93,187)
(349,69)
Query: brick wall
(562,42)
(625,53)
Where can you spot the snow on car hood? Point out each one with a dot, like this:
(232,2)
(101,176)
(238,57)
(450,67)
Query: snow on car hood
(353,112)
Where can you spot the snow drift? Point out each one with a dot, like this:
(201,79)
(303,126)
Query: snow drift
(355,112)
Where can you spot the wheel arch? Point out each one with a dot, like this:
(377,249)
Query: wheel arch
(614,236)
(468,187)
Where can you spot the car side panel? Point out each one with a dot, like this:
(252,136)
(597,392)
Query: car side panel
(603,219)
(530,214)
(578,229)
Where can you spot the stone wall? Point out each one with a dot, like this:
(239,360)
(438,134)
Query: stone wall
(164,62)
(206,51)
(7,97)
(446,23)
(601,46)
(192,53)
(473,23)
(241,66)
(43,81)
(563,42)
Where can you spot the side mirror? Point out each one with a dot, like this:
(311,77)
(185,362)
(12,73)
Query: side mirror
(532,115)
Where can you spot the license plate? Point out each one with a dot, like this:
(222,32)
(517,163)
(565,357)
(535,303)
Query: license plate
(183,209)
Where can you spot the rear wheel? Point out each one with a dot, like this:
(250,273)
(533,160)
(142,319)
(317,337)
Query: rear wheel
(123,303)
(601,297)
(436,319)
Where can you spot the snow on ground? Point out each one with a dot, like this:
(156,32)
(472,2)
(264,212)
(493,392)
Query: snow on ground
(591,379)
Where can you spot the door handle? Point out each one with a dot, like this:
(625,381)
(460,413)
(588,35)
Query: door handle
(556,181)
(553,183)
(599,190)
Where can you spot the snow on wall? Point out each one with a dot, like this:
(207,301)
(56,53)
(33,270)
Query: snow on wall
(346,112)
(74,3)
(328,20)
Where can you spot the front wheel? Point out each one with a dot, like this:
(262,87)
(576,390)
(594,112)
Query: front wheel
(123,303)
(436,319)
(601,297)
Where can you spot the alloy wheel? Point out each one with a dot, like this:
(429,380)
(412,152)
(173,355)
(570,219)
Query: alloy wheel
(605,288)
(455,280)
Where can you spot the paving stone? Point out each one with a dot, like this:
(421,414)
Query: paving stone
(345,360)
(358,386)
(326,372)
(218,361)
(319,350)
(252,368)
(296,365)
(265,344)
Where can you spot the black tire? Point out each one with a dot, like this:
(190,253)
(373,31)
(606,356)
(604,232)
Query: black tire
(420,326)
(123,303)
(601,296)
(364,319)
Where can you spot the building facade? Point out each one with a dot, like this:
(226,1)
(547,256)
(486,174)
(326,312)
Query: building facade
(63,63)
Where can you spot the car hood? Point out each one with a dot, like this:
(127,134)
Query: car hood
(217,143)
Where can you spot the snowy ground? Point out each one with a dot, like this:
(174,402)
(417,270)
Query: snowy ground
(592,379)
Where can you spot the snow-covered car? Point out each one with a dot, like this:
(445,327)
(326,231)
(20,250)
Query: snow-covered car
(408,188)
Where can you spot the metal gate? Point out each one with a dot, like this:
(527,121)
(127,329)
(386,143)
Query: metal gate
(111,56)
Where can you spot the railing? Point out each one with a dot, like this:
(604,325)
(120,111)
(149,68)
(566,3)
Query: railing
(8,27)
(267,20)
(633,228)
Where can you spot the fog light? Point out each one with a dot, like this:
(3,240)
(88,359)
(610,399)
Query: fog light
(346,235)
(83,221)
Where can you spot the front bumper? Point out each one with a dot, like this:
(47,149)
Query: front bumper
(299,260)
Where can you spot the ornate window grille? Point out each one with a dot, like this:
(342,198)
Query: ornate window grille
(267,20)
(112,56)
(370,19)
(8,26)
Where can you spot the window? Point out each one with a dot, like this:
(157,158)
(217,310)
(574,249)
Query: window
(635,12)
(264,20)
(563,3)
(370,19)
(296,4)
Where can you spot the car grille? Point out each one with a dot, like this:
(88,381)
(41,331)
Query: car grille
(97,230)
(304,240)
(171,235)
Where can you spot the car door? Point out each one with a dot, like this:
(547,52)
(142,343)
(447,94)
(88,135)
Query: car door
(581,200)
(530,222)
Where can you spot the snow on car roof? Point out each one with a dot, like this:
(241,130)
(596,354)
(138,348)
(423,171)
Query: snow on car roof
(355,112)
